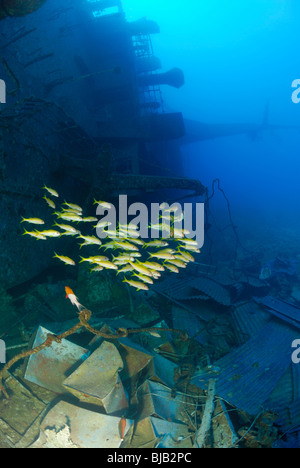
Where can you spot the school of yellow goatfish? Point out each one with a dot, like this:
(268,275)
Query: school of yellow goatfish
(127,249)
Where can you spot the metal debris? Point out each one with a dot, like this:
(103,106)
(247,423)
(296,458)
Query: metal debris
(281,309)
(157,400)
(49,367)
(152,432)
(69,426)
(97,380)
(187,288)
(256,366)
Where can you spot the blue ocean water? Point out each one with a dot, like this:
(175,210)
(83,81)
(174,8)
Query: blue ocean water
(237,58)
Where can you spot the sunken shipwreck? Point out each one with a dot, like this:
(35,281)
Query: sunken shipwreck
(177,345)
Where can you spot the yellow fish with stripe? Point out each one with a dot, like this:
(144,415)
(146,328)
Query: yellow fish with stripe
(136,284)
(51,191)
(66,260)
(33,220)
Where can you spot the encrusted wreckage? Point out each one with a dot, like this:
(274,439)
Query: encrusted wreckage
(226,378)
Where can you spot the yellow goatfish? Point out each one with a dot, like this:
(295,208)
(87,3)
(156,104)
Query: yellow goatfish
(64,259)
(138,266)
(35,234)
(72,206)
(50,233)
(104,204)
(163,255)
(136,284)
(51,191)
(144,278)
(33,220)
(171,267)
(50,202)
(154,266)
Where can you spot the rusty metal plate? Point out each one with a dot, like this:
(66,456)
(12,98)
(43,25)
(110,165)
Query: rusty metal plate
(69,426)
(134,356)
(153,432)
(157,400)
(49,367)
(97,380)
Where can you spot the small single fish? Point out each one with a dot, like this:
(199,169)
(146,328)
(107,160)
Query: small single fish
(104,204)
(109,265)
(187,255)
(168,209)
(154,266)
(110,233)
(179,233)
(123,258)
(171,267)
(160,227)
(181,258)
(138,266)
(128,234)
(33,220)
(120,262)
(95,259)
(50,233)
(51,191)
(136,284)
(109,245)
(64,259)
(125,269)
(163,255)
(154,333)
(85,244)
(66,227)
(74,300)
(35,234)
(156,243)
(191,242)
(192,248)
(96,268)
(89,219)
(103,224)
(69,211)
(49,202)
(69,233)
(156,274)
(125,245)
(72,206)
(91,240)
(178,263)
(70,217)
(144,278)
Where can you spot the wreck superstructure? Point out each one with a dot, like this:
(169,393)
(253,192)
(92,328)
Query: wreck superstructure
(98,141)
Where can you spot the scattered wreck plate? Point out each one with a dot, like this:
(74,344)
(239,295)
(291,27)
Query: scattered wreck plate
(153,432)
(49,367)
(68,426)
(97,380)
(157,400)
